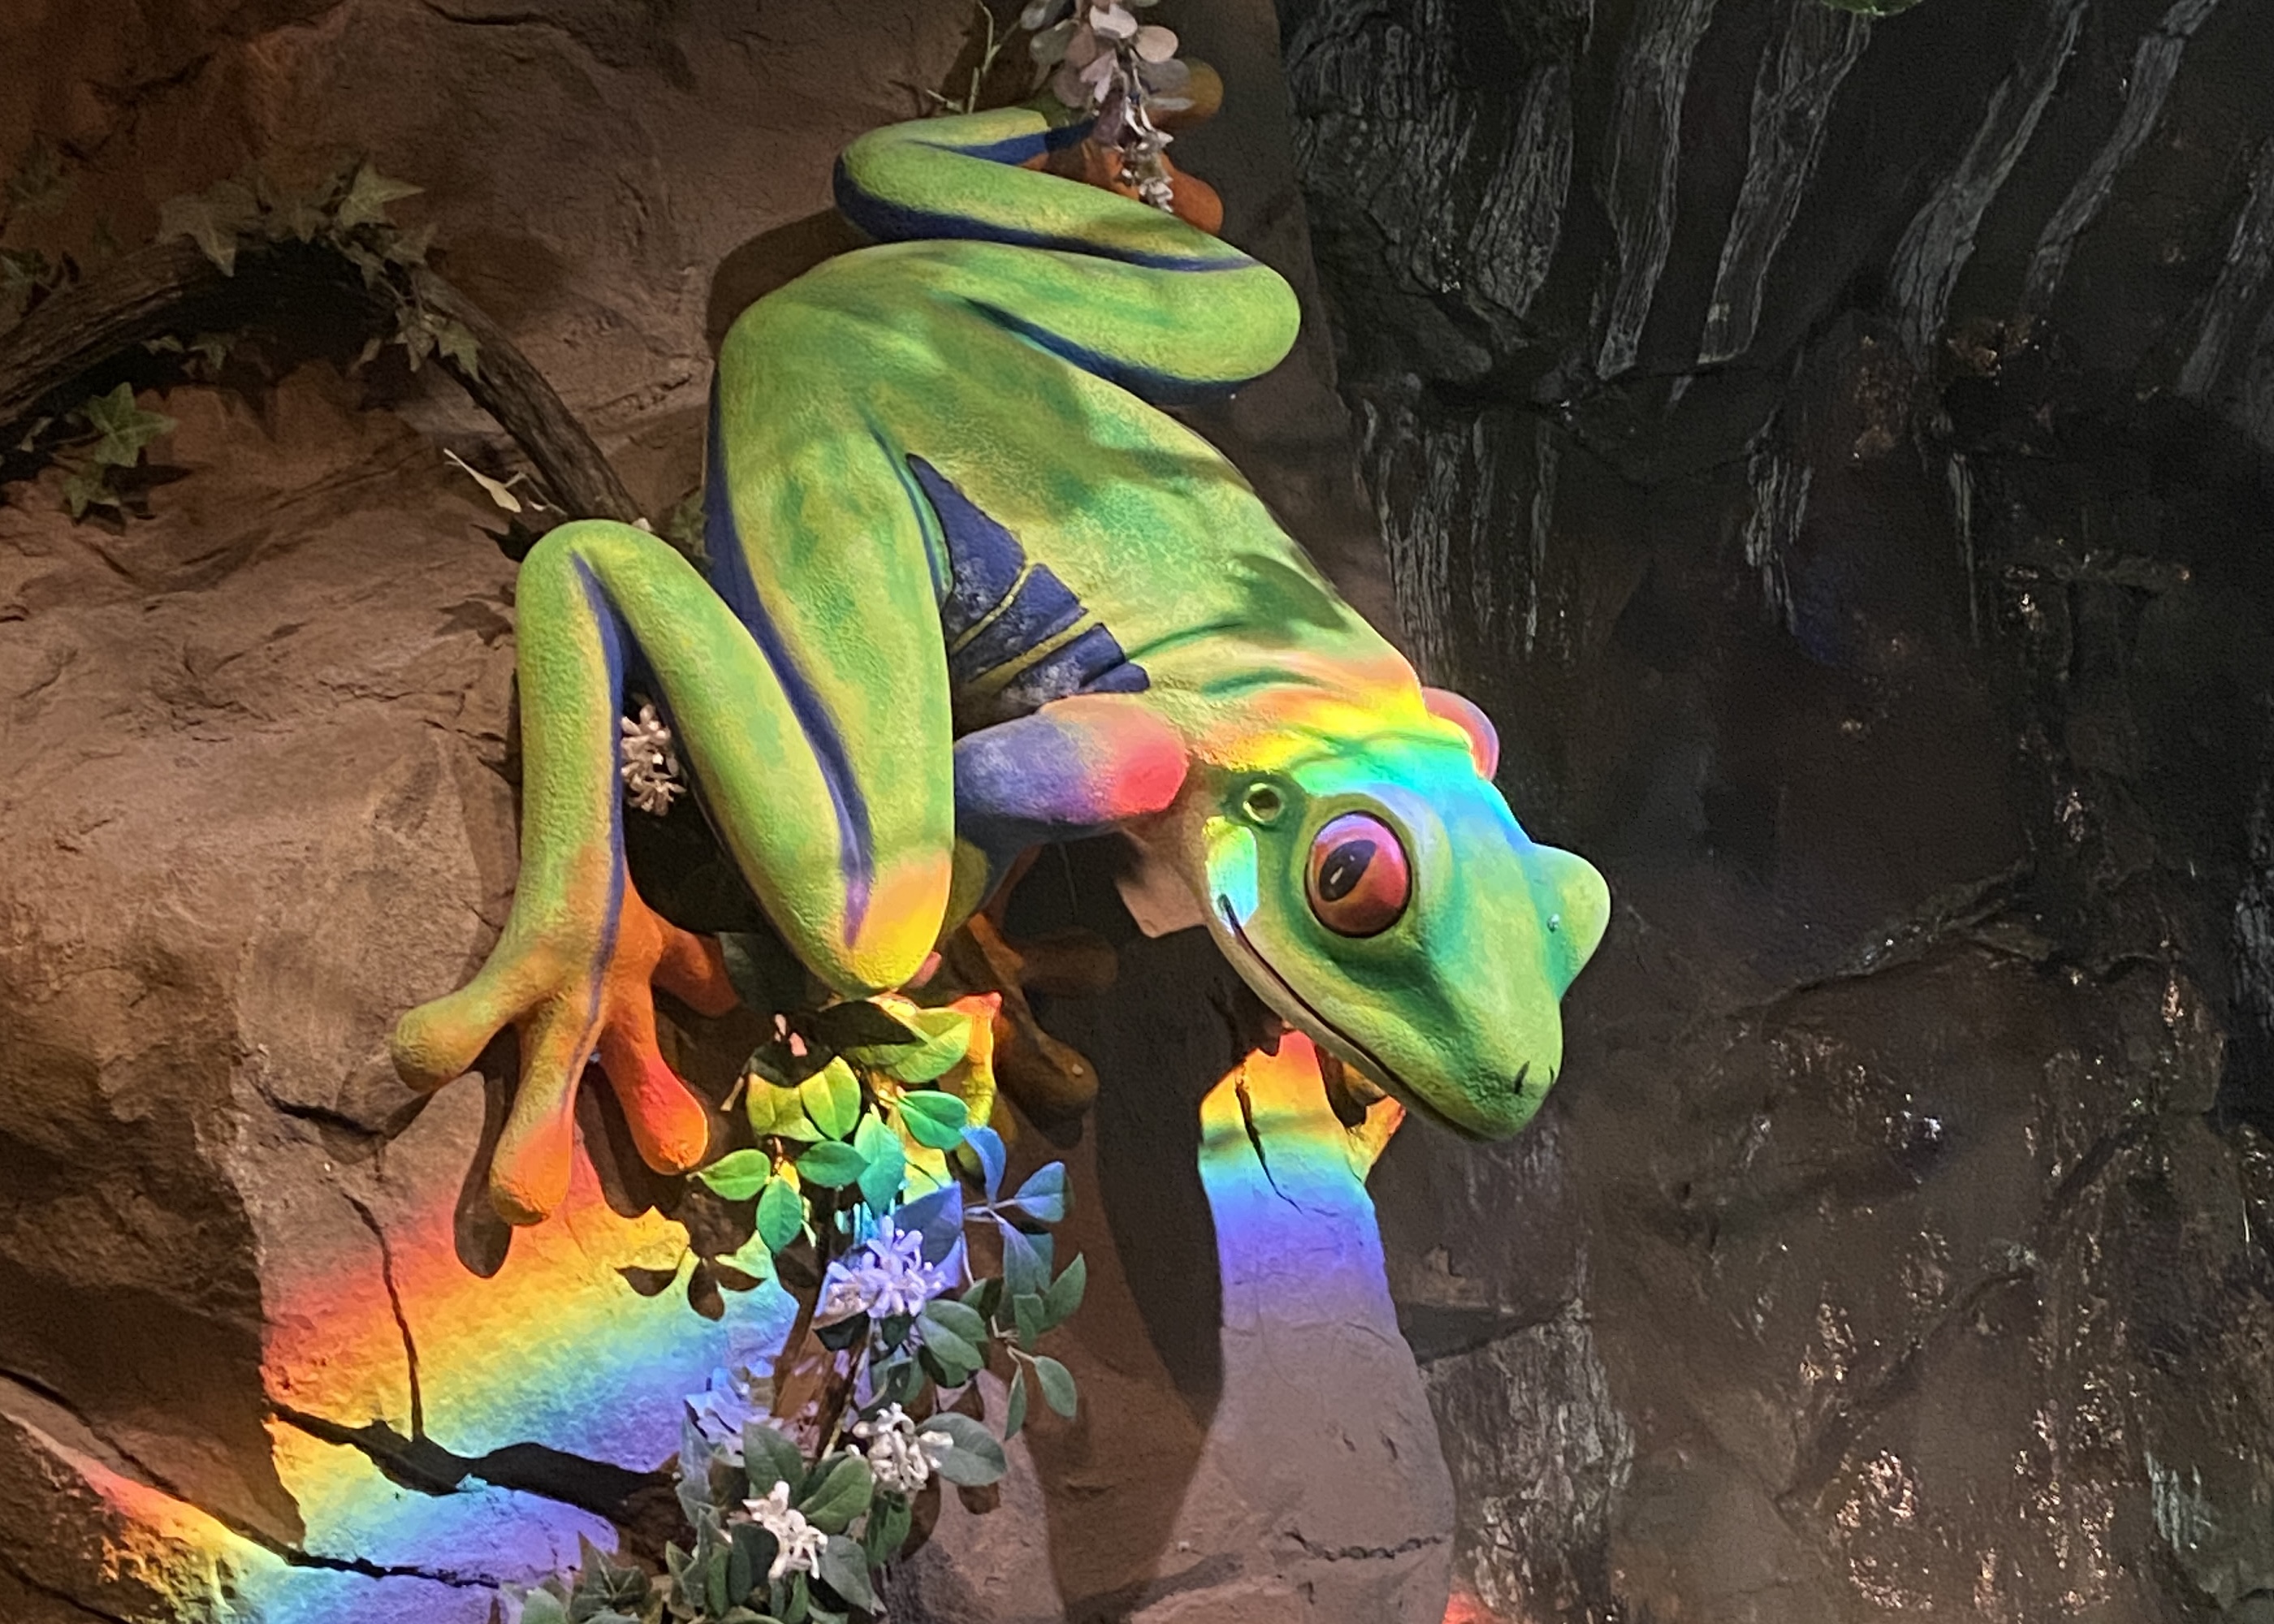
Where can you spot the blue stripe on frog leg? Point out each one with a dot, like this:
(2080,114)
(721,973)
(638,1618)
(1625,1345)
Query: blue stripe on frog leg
(730,577)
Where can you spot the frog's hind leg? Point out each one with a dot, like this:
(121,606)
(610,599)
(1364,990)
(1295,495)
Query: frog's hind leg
(573,967)
(572,970)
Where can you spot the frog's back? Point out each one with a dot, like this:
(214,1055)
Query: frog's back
(1007,389)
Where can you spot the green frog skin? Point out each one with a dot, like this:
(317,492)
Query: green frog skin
(970,592)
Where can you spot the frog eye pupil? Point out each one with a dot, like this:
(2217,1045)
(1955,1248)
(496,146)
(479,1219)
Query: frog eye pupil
(1361,877)
(1344,868)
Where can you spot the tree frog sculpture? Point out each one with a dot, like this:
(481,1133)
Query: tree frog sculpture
(968,592)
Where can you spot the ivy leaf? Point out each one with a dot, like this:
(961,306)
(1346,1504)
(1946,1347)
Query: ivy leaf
(832,1099)
(125,427)
(933,1118)
(543,1607)
(843,1494)
(737,1176)
(88,487)
(457,345)
(1043,1196)
(845,1569)
(214,220)
(39,186)
(976,1458)
(1064,1295)
(1057,1385)
(781,1214)
(368,196)
(880,1181)
(831,1165)
(987,1145)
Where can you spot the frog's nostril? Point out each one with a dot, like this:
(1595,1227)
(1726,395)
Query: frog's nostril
(1522,1075)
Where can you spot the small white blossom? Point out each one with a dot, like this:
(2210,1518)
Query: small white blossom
(651,765)
(901,1457)
(798,1543)
(886,1276)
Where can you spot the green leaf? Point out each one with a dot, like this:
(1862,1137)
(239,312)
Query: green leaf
(1027,1311)
(832,1099)
(977,1459)
(458,348)
(214,220)
(1043,1196)
(1056,1383)
(125,427)
(831,1165)
(843,1495)
(88,487)
(768,1457)
(953,1359)
(776,1111)
(543,1607)
(845,1569)
(738,1175)
(859,1023)
(880,1181)
(987,1145)
(1064,1295)
(959,1318)
(934,1119)
(1014,1414)
(368,196)
(781,1214)
(750,1551)
(1026,1261)
(890,1520)
(946,1039)
(39,186)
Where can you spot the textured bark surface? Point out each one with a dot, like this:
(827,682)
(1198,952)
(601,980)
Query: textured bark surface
(1840,455)
(258,1331)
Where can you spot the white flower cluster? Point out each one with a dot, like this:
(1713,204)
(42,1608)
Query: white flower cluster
(901,1457)
(1098,58)
(651,765)
(798,1543)
(886,1276)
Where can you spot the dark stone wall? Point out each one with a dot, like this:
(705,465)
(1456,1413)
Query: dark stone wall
(1840,455)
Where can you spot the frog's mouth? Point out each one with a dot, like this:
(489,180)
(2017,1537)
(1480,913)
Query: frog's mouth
(1370,1061)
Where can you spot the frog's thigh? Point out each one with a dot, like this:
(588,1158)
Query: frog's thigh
(858,896)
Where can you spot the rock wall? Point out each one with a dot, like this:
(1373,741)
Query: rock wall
(263,1352)
(1838,453)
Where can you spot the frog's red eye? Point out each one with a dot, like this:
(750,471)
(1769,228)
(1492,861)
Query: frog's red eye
(1359,880)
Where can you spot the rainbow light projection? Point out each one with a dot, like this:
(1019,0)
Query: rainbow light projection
(557,1349)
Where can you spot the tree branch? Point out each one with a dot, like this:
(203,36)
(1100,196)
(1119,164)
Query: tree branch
(174,288)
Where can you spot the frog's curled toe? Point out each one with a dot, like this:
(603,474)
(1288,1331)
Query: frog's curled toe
(571,1003)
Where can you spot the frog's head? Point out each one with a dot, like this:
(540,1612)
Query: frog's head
(1379,894)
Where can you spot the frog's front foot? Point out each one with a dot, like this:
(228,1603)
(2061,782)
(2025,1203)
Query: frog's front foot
(572,997)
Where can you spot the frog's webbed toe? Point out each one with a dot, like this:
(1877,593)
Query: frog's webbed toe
(570,1006)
